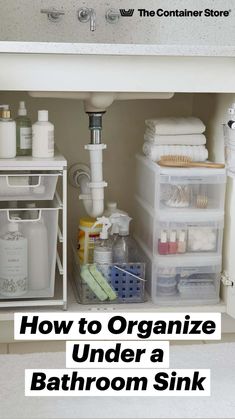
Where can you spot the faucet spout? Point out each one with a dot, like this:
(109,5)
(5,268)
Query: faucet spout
(87,15)
(92,20)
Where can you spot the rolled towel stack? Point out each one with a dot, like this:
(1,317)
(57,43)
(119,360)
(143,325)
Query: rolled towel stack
(175,136)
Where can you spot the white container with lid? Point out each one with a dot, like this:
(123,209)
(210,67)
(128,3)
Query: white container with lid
(43,136)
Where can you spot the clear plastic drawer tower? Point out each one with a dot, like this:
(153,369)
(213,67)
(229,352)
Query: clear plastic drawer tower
(179,225)
(33,233)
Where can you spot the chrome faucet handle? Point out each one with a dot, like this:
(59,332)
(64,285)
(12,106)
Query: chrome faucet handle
(53,14)
(112,16)
(85,15)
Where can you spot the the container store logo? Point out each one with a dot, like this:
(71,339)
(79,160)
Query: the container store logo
(177,13)
(127,12)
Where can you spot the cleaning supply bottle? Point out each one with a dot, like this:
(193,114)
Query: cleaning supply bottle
(13,262)
(103,247)
(7,134)
(87,237)
(125,248)
(38,250)
(112,209)
(23,132)
(43,136)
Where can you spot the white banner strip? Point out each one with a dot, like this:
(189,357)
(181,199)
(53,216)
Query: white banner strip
(117,382)
(118,326)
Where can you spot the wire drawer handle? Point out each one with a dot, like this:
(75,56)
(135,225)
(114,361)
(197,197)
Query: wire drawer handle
(23,186)
(19,220)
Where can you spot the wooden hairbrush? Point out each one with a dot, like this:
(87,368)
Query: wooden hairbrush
(184,161)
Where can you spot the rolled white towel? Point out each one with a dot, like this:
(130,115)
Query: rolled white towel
(176,126)
(191,139)
(155,152)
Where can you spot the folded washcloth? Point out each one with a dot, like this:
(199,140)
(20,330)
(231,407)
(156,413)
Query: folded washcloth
(176,126)
(155,152)
(191,139)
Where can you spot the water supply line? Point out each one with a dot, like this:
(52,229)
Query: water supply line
(91,183)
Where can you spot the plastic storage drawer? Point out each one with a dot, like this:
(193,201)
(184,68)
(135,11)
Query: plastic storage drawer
(179,188)
(197,189)
(126,280)
(27,186)
(50,218)
(189,236)
(180,281)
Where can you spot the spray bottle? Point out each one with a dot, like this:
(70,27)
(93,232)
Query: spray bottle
(103,246)
(125,248)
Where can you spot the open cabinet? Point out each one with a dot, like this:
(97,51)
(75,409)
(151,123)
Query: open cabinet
(123,133)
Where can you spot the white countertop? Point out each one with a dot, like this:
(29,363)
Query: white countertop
(115,49)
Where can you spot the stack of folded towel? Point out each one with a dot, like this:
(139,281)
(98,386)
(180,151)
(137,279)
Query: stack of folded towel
(175,136)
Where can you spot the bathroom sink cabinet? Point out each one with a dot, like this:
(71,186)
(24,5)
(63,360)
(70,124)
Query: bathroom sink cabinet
(203,84)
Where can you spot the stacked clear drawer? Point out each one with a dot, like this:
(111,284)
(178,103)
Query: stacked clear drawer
(179,225)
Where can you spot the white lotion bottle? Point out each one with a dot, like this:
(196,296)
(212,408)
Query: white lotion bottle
(38,259)
(7,134)
(13,262)
(43,137)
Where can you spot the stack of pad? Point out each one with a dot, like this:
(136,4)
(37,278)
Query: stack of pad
(175,136)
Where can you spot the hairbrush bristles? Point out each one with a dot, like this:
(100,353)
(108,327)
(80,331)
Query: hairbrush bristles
(176,158)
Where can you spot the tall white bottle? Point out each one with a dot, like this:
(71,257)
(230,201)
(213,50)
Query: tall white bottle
(7,134)
(38,259)
(43,137)
(13,262)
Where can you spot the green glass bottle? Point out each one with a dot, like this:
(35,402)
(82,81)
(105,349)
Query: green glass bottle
(23,132)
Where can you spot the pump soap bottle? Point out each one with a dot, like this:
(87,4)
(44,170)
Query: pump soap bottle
(23,132)
(7,134)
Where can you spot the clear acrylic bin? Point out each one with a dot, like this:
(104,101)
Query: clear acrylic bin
(50,218)
(181,281)
(126,280)
(28,186)
(184,237)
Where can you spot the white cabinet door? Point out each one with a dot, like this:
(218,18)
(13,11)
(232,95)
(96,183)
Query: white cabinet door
(229,247)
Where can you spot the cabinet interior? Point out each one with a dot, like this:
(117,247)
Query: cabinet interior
(123,131)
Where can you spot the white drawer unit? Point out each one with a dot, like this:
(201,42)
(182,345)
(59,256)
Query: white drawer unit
(30,199)
(179,225)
